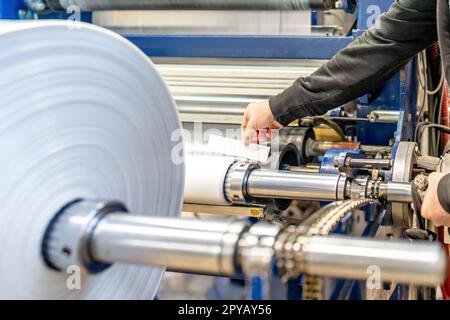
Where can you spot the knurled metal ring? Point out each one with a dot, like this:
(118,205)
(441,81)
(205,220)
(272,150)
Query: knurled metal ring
(236,182)
(67,239)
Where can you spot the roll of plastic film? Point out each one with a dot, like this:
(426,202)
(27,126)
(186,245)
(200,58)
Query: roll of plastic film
(83,114)
(205,178)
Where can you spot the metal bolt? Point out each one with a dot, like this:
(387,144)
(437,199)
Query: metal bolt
(336,162)
(36,5)
(339,4)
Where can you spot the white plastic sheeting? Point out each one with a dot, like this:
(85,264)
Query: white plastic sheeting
(83,114)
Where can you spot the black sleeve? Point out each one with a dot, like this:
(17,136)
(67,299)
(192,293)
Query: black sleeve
(443,22)
(443,192)
(408,27)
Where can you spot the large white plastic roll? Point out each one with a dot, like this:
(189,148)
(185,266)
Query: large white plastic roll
(205,178)
(83,114)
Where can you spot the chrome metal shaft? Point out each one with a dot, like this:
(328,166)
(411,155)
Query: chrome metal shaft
(95,234)
(296,185)
(178,244)
(398,192)
(91,5)
(370,163)
(386,116)
(319,148)
(375,260)
(212,247)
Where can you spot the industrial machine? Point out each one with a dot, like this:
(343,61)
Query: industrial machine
(334,215)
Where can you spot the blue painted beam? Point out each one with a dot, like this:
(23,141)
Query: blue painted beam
(273,47)
(9,9)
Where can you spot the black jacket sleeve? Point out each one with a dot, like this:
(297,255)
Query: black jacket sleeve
(408,27)
(443,192)
(443,22)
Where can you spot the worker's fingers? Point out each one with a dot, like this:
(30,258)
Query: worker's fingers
(269,134)
(431,206)
(250,132)
(245,120)
(250,136)
(276,125)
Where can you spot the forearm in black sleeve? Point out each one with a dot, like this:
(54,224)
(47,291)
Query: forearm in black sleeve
(408,27)
(443,192)
(443,21)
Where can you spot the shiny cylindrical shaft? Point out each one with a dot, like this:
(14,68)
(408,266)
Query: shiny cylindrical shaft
(370,163)
(213,246)
(91,5)
(375,260)
(296,185)
(321,147)
(398,192)
(386,116)
(178,244)
(306,168)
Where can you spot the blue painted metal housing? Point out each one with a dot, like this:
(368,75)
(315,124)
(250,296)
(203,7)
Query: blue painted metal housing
(9,9)
(269,47)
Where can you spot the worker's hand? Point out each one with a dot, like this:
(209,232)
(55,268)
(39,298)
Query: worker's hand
(431,207)
(258,119)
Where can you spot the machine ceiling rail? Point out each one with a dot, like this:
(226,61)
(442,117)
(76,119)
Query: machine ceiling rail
(90,5)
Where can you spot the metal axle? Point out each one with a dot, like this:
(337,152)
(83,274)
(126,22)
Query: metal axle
(93,5)
(97,234)
(246,181)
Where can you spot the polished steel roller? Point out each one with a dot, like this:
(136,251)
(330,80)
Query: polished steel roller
(92,5)
(97,234)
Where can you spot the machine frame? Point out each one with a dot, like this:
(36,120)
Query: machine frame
(397,94)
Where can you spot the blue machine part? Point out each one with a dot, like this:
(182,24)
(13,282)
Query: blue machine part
(328,163)
(369,11)
(337,112)
(398,93)
(18,10)
(269,47)
(9,9)
(257,287)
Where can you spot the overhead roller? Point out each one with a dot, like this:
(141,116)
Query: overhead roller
(93,5)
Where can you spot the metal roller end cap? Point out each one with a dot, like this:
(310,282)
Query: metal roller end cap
(68,235)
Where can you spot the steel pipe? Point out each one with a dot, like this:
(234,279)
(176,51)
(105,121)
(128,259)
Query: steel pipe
(93,5)
(370,163)
(385,116)
(212,247)
(319,148)
(296,185)
(400,261)
(178,244)
(98,233)
(398,192)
